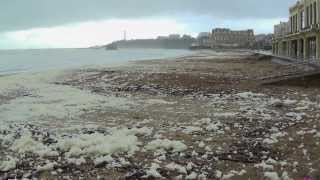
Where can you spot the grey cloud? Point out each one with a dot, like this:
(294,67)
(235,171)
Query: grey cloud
(26,14)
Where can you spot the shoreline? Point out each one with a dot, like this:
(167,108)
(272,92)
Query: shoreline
(205,116)
(44,60)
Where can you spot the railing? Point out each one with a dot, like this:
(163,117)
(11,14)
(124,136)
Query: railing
(300,60)
(295,60)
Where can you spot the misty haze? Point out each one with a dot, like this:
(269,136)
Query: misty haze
(182,89)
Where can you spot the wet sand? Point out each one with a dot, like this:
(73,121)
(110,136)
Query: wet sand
(209,113)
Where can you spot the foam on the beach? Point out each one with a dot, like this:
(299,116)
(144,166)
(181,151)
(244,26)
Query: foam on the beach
(166,144)
(37,98)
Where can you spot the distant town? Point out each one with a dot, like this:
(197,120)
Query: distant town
(296,39)
(217,38)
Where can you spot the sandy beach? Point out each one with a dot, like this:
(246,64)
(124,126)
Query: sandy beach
(210,115)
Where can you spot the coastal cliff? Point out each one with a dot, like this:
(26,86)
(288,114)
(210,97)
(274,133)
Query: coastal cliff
(181,43)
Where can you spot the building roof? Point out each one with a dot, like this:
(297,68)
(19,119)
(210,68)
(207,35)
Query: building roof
(296,6)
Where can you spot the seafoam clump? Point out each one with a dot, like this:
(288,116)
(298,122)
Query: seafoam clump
(103,159)
(146,131)
(191,129)
(202,177)
(296,116)
(272,176)
(317,135)
(225,114)
(192,176)
(249,95)
(47,167)
(27,144)
(166,144)
(202,144)
(218,174)
(77,161)
(289,102)
(264,165)
(176,167)
(153,171)
(216,127)
(285,176)
(274,138)
(233,173)
(8,164)
(7,139)
(159,101)
(97,144)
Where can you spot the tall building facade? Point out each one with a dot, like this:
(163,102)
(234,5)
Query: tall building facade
(222,37)
(300,36)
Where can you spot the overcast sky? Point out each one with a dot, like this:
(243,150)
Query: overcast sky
(81,23)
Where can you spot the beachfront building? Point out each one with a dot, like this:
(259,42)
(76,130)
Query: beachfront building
(299,38)
(226,38)
(174,36)
(263,41)
(279,46)
(204,39)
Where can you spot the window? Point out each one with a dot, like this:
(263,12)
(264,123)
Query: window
(312,46)
(308,17)
(291,24)
(311,15)
(303,23)
(297,23)
(296,19)
(315,12)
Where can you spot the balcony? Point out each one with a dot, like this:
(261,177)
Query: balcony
(313,27)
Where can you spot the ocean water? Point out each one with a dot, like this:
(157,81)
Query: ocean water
(16,61)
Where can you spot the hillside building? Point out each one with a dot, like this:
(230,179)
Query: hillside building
(226,38)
